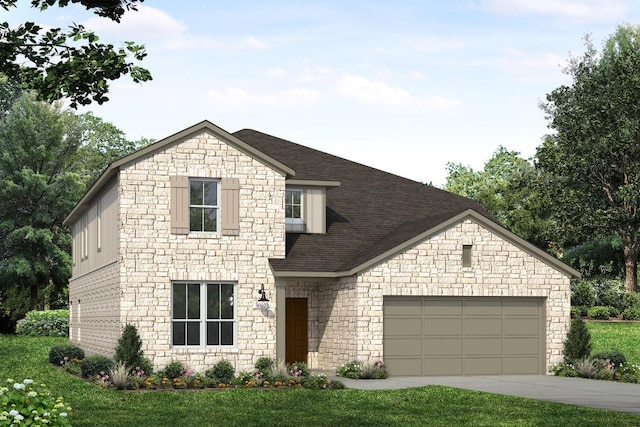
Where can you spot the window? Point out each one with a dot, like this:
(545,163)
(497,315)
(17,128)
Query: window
(466,255)
(203,205)
(203,314)
(84,243)
(99,224)
(293,206)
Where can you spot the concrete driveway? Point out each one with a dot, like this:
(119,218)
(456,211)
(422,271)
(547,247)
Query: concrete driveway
(611,395)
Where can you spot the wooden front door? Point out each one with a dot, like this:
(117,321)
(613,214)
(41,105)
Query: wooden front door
(296,330)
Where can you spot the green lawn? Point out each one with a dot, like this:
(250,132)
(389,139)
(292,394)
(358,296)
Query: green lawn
(27,358)
(621,336)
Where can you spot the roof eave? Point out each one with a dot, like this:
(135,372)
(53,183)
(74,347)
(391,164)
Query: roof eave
(204,125)
(467,214)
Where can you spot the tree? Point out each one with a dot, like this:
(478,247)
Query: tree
(37,190)
(592,158)
(102,143)
(71,63)
(507,188)
(577,346)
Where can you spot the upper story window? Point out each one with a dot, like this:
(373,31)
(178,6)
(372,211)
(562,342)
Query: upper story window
(203,205)
(293,206)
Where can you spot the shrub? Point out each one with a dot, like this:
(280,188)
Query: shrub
(631,300)
(575,312)
(582,293)
(264,364)
(129,348)
(64,352)
(613,311)
(352,369)
(174,369)
(336,385)
(119,376)
(610,293)
(315,382)
(586,368)
(631,313)
(44,323)
(613,356)
(144,367)
(582,309)
(223,371)
(96,364)
(577,346)
(30,403)
(563,369)
(375,371)
(598,312)
(298,370)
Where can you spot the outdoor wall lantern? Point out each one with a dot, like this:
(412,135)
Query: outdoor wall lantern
(263,294)
(263,301)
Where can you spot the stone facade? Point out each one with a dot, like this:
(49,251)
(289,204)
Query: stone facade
(346,321)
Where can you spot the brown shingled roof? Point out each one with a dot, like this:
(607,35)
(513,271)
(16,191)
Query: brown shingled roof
(371,212)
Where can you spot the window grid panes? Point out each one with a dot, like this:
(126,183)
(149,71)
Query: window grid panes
(203,205)
(203,313)
(293,204)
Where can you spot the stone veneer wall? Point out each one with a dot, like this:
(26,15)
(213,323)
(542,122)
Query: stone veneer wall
(152,257)
(434,268)
(94,302)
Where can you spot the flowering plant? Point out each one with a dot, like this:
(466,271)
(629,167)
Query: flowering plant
(29,403)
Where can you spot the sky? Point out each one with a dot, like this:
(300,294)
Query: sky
(403,86)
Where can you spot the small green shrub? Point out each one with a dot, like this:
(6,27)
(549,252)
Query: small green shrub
(631,313)
(30,403)
(563,369)
(336,385)
(631,300)
(598,313)
(129,348)
(610,293)
(582,309)
(174,369)
(582,293)
(352,369)
(298,370)
(575,312)
(96,364)
(264,364)
(613,311)
(613,356)
(315,382)
(223,371)
(144,367)
(61,353)
(119,376)
(586,368)
(577,346)
(53,323)
(375,371)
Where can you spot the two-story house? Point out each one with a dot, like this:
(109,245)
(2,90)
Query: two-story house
(188,238)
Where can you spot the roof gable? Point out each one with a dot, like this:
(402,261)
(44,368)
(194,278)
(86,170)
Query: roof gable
(204,126)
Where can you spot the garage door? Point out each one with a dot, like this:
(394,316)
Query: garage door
(464,336)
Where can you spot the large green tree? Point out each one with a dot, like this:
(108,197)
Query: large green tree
(592,157)
(508,188)
(38,188)
(68,63)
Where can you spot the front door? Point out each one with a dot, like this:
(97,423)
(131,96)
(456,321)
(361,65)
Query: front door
(296,330)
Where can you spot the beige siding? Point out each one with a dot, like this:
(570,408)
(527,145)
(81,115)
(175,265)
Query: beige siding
(97,251)
(315,216)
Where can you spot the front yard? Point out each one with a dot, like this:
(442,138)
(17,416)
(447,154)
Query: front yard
(22,357)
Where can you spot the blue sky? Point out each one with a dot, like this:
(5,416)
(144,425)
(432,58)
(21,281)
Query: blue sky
(404,86)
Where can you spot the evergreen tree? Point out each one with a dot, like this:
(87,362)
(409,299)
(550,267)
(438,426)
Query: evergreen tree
(129,349)
(577,346)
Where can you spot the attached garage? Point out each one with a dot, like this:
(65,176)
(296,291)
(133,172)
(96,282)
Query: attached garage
(464,335)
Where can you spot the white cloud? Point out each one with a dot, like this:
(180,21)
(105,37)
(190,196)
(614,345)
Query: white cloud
(277,73)
(531,65)
(240,98)
(316,75)
(418,75)
(577,10)
(149,24)
(366,91)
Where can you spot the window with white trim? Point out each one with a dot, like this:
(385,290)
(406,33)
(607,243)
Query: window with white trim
(293,206)
(203,205)
(203,314)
